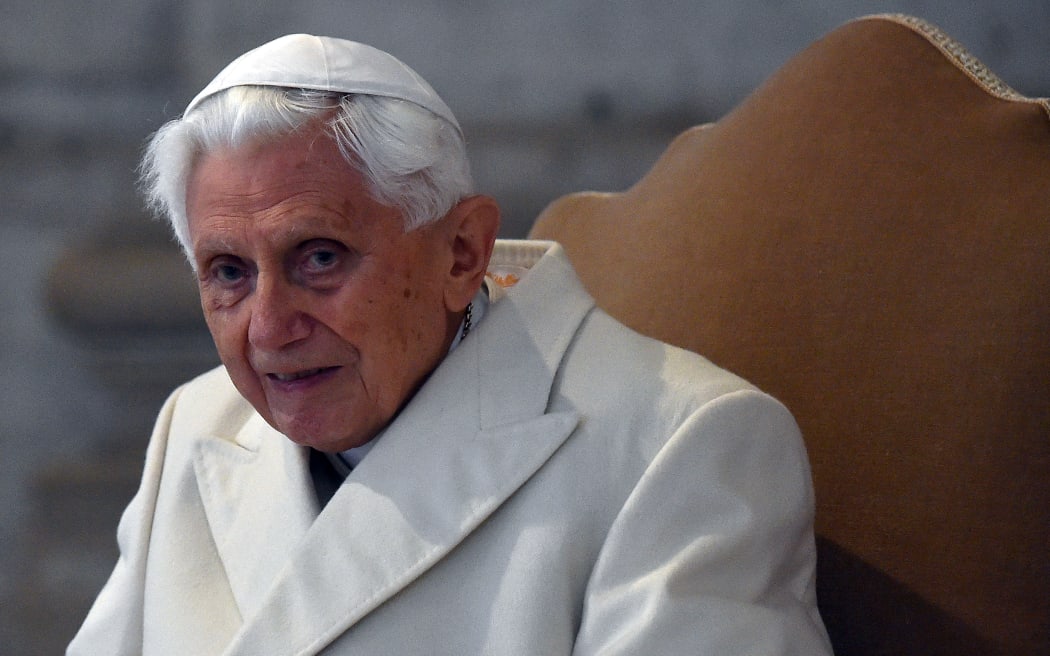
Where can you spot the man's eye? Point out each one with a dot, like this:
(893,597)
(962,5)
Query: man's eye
(229,273)
(321,259)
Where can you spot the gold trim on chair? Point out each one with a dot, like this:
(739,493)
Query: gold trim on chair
(963,58)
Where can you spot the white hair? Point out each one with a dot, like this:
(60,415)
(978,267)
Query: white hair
(410,158)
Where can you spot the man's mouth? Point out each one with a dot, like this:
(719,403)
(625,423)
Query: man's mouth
(299,375)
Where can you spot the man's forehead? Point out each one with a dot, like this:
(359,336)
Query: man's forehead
(220,231)
(227,204)
(279,234)
(303,162)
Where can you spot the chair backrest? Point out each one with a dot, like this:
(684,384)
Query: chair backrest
(867,237)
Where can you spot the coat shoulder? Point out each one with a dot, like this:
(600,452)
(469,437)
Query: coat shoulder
(617,357)
(633,388)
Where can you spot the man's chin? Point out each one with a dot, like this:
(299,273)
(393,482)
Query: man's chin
(321,442)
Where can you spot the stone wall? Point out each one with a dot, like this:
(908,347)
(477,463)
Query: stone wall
(555,96)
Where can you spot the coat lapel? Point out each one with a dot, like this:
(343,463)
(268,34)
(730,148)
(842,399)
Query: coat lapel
(259,501)
(473,434)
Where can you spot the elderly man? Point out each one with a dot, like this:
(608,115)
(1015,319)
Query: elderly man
(421,442)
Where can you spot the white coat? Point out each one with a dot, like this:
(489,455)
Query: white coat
(560,485)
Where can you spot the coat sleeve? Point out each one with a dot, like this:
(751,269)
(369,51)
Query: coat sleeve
(114,624)
(713,552)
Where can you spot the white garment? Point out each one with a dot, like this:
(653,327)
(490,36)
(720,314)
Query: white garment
(560,485)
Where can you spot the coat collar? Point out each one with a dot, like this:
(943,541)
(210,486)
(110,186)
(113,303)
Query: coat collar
(474,433)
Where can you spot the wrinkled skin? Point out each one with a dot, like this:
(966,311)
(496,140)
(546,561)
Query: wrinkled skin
(326,313)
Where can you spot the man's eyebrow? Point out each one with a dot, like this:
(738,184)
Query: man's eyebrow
(213,245)
(293,228)
(309,229)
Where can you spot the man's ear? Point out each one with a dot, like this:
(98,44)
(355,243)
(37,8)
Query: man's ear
(473,224)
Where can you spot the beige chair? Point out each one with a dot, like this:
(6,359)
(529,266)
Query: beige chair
(867,237)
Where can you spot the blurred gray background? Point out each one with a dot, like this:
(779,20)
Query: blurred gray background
(98,314)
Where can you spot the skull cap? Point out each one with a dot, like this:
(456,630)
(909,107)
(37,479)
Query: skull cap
(304,61)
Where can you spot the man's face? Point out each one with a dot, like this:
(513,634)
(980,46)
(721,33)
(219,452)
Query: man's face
(327,315)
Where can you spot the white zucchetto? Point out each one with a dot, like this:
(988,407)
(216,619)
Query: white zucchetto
(303,61)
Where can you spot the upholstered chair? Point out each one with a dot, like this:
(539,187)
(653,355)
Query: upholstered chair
(867,237)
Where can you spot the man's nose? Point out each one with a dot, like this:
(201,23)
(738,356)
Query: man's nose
(277,319)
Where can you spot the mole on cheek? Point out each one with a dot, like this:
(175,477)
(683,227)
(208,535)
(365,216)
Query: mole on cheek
(407,293)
